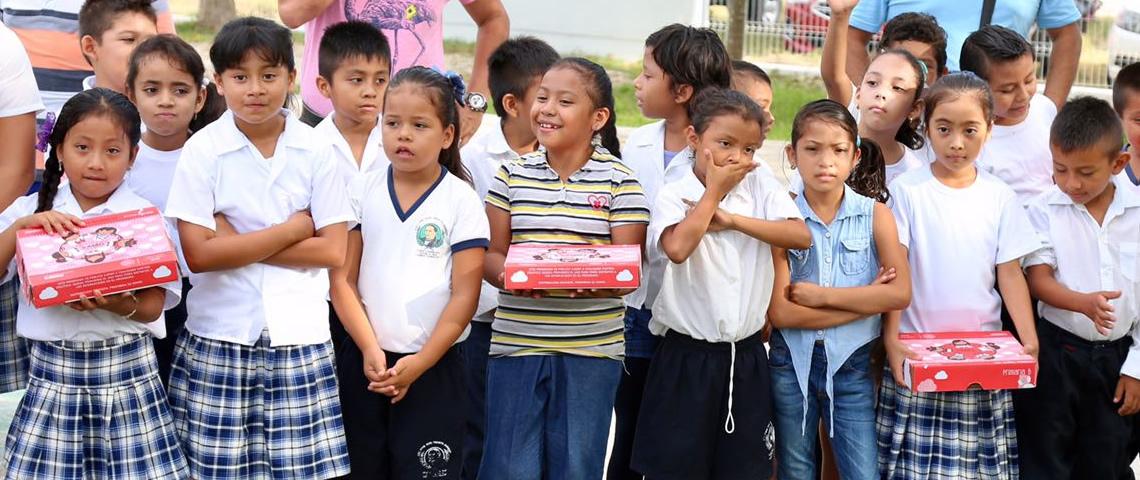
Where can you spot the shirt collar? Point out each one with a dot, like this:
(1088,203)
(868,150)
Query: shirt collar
(327,129)
(599,160)
(119,201)
(1125,195)
(658,136)
(847,207)
(229,139)
(497,143)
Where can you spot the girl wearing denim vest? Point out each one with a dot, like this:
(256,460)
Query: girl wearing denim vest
(828,298)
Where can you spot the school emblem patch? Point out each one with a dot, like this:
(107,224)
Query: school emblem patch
(431,237)
(434,457)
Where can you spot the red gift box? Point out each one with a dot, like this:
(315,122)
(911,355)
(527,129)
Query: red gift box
(546,267)
(112,253)
(960,361)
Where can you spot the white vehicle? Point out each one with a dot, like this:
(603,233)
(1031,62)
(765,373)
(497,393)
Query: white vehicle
(1124,40)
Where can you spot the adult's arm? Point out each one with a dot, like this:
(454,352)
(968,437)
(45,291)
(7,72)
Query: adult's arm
(295,13)
(1063,62)
(867,18)
(17,156)
(494,28)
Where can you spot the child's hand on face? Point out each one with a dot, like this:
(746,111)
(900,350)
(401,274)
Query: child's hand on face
(1127,395)
(400,377)
(897,352)
(721,179)
(1095,306)
(52,222)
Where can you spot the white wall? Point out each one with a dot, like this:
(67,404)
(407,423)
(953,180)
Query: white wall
(596,27)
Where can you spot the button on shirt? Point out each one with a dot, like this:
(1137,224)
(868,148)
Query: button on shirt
(222,172)
(61,322)
(1090,257)
(842,254)
(721,293)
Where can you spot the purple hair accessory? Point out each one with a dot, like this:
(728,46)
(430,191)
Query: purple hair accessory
(43,137)
(458,87)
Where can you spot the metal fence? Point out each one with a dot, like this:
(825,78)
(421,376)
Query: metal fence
(792,32)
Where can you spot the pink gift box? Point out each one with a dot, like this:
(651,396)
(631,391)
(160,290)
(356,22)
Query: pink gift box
(960,361)
(114,253)
(546,267)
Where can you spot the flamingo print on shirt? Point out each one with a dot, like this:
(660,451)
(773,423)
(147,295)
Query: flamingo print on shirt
(394,15)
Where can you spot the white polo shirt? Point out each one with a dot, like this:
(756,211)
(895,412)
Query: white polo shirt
(373,158)
(405,268)
(721,293)
(222,172)
(1091,257)
(61,322)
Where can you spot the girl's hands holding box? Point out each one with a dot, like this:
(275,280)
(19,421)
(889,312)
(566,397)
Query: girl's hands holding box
(52,222)
(897,352)
(122,303)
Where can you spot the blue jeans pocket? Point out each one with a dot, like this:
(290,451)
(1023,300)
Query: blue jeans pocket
(778,354)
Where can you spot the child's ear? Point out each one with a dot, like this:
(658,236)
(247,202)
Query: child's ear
(682,94)
(218,84)
(510,105)
(292,78)
(324,87)
(201,101)
(448,137)
(87,46)
(790,152)
(1121,160)
(916,112)
(601,116)
(691,137)
(134,154)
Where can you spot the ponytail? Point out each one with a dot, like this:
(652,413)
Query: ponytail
(869,177)
(601,92)
(212,108)
(53,173)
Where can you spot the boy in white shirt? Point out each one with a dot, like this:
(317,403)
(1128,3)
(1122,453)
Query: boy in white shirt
(1076,423)
(1018,150)
(515,70)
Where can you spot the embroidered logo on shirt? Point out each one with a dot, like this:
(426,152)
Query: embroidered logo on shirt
(598,201)
(434,457)
(431,237)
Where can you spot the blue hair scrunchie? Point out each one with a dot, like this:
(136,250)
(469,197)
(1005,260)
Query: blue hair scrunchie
(458,87)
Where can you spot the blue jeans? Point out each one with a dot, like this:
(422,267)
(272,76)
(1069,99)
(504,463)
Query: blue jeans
(548,416)
(474,351)
(853,440)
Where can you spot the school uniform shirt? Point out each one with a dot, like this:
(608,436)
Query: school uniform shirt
(373,159)
(955,237)
(482,157)
(600,196)
(645,154)
(150,177)
(61,322)
(721,293)
(220,171)
(1019,154)
(405,269)
(1091,257)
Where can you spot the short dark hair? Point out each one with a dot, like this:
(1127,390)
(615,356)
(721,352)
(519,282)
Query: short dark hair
(515,65)
(97,16)
(992,44)
(241,36)
(917,27)
(351,40)
(691,56)
(741,68)
(718,102)
(1087,122)
(1127,83)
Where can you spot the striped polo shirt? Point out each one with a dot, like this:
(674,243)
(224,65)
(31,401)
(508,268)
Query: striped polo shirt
(603,194)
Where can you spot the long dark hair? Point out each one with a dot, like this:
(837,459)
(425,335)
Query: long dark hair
(442,93)
(601,93)
(869,176)
(94,102)
(910,132)
(182,56)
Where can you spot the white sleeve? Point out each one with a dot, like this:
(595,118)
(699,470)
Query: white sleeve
(1131,366)
(901,209)
(1037,212)
(778,205)
(329,204)
(191,197)
(173,294)
(20,208)
(668,210)
(1016,236)
(471,229)
(19,93)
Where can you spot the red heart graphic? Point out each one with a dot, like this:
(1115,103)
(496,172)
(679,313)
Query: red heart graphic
(598,201)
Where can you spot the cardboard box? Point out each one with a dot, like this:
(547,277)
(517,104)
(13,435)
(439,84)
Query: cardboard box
(112,253)
(546,267)
(960,361)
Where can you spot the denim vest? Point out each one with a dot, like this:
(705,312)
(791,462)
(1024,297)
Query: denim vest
(842,254)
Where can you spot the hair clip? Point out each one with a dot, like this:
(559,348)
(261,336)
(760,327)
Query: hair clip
(43,137)
(858,141)
(458,87)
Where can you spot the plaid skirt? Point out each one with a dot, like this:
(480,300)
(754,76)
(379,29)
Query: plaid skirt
(94,410)
(945,436)
(13,349)
(257,412)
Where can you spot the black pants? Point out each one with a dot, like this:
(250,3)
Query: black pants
(419,437)
(626,408)
(175,322)
(1067,427)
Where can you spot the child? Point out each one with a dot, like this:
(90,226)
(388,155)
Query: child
(261,213)
(516,69)
(1126,102)
(716,225)
(355,65)
(408,290)
(1018,150)
(679,62)
(95,396)
(556,355)
(888,97)
(754,82)
(827,322)
(919,34)
(961,226)
(1088,382)
(109,30)
(166,82)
